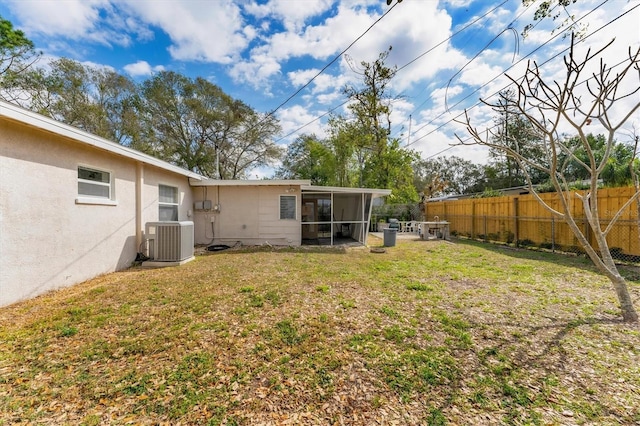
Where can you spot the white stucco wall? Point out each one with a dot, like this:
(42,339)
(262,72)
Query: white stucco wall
(47,239)
(249,214)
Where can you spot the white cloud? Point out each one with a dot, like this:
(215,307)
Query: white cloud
(141,68)
(73,19)
(297,116)
(458,3)
(216,33)
(276,46)
(322,42)
(208,32)
(292,14)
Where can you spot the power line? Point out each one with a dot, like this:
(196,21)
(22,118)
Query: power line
(330,63)
(492,80)
(452,35)
(522,59)
(446,40)
(497,125)
(512,22)
(310,122)
(489,11)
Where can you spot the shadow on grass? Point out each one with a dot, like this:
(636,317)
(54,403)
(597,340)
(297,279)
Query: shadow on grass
(520,377)
(278,249)
(629,272)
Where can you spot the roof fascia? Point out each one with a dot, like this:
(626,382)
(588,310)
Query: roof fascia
(30,118)
(253,182)
(374,191)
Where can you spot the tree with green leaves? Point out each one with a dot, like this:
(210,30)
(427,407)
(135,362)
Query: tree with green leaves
(382,163)
(17,54)
(618,167)
(515,131)
(370,106)
(557,10)
(194,124)
(448,176)
(309,158)
(358,150)
(250,144)
(97,100)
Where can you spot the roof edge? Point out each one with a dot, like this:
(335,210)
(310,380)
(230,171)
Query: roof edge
(375,191)
(25,116)
(251,182)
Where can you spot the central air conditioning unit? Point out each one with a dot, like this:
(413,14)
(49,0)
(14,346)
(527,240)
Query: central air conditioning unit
(169,241)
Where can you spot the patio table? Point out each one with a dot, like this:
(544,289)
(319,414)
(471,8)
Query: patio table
(439,229)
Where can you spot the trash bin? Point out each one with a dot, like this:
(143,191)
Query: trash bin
(389,237)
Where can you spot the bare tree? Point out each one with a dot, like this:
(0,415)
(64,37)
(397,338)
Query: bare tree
(553,107)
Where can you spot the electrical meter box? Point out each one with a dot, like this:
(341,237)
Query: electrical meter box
(202,205)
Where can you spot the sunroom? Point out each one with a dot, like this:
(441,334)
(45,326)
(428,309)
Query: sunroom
(336,215)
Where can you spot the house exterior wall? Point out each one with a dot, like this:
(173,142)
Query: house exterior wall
(47,239)
(249,214)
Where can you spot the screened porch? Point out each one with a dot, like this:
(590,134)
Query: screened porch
(336,216)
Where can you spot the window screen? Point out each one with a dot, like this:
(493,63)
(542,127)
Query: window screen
(287,207)
(167,203)
(94,183)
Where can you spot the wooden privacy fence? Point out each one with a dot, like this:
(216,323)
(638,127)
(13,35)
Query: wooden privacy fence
(521,219)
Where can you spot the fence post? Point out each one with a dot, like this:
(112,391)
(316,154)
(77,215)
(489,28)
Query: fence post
(553,234)
(516,213)
(473,220)
(486,238)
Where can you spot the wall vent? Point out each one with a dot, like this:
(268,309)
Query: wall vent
(170,241)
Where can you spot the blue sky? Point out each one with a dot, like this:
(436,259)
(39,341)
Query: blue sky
(263,51)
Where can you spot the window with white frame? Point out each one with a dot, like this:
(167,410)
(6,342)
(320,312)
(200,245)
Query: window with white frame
(93,183)
(167,203)
(287,207)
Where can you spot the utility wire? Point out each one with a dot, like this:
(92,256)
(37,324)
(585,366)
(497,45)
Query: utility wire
(512,66)
(293,132)
(446,40)
(498,125)
(471,60)
(469,24)
(452,35)
(513,21)
(329,64)
(505,87)
(515,51)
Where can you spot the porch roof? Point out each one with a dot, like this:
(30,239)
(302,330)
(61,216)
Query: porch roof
(376,192)
(304,184)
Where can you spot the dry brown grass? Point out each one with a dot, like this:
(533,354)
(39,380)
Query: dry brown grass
(426,333)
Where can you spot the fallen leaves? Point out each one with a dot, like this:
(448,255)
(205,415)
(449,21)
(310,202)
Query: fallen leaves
(315,338)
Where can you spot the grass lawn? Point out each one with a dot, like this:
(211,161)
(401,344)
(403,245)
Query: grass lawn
(427,333)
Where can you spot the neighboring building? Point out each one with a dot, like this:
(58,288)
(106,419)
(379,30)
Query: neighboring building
(74,206)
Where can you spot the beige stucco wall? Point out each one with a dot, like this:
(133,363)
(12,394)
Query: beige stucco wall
(47,240)
(249,214)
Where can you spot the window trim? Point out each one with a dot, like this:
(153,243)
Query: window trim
(96,199)
(175,204)
(295,207)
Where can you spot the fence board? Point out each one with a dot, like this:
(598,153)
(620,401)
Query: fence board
(524,218)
